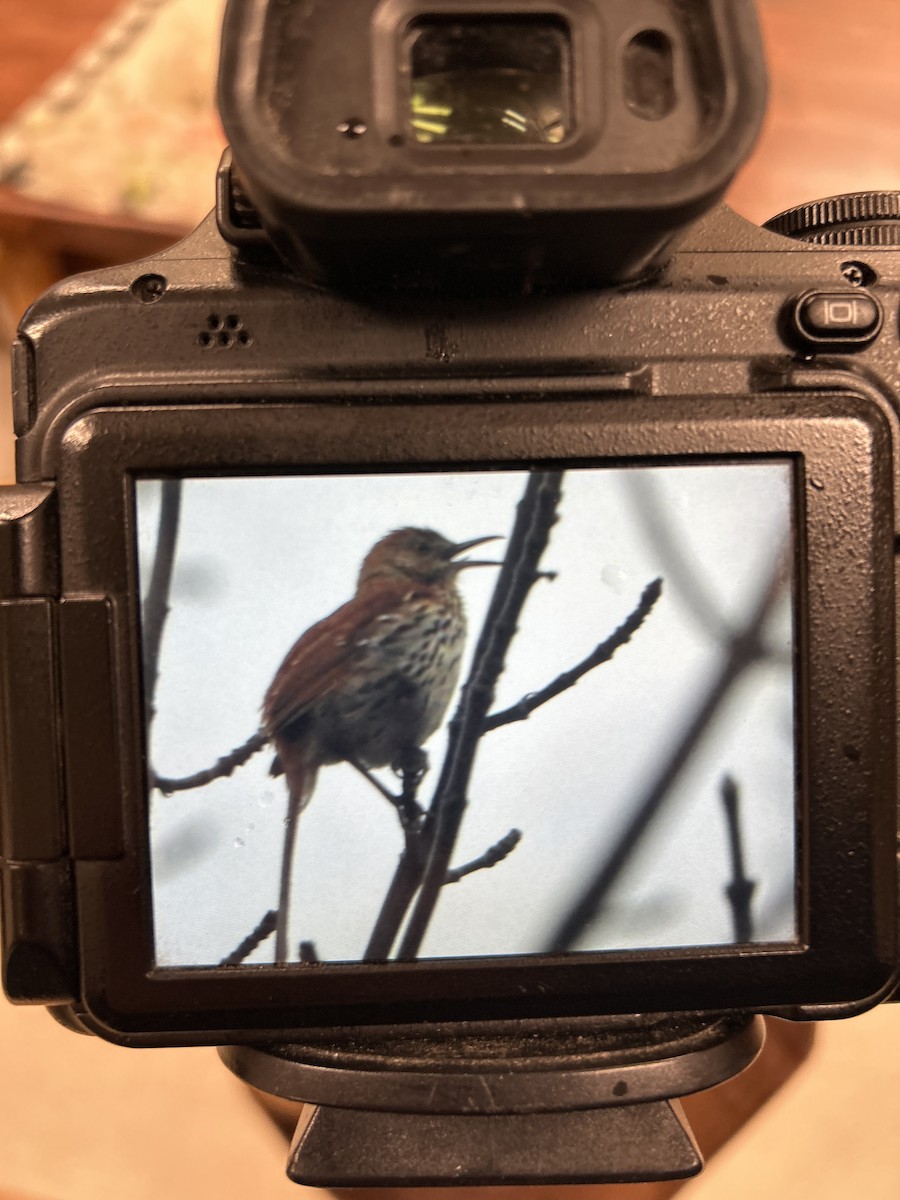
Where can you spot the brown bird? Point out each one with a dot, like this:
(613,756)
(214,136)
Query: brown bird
(372,681)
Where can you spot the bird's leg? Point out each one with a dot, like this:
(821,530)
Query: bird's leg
(405,804)
(411,764)
(375,782)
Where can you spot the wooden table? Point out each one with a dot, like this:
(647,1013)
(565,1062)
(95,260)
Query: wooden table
(41,243)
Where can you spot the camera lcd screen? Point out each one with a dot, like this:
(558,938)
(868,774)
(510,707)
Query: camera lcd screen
(648,798)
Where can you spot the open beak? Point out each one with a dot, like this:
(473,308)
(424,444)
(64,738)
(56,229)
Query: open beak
(462,547)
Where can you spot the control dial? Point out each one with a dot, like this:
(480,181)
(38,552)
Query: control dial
(857,219)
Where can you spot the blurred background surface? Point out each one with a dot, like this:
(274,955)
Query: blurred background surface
(108,148)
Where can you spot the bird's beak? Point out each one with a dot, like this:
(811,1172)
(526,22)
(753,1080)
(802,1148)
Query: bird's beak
(462,547)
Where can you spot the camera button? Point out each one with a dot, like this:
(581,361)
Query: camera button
(837,319)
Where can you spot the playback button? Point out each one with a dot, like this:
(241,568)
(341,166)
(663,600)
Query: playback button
(837,320)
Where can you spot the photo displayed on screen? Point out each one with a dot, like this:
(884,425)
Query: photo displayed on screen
(307,639)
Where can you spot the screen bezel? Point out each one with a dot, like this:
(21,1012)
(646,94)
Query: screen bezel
(841,448)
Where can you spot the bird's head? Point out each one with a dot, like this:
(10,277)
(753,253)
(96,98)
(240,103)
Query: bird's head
(422,555)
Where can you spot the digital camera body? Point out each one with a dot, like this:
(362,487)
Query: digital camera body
(527,329)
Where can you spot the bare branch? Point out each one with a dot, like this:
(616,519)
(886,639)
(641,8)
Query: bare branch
(601,654)
(264,929)
(496,854)
(535,517)
(740,890)
(400,895)
(420,836)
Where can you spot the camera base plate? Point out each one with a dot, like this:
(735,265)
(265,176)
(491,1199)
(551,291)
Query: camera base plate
(593,1103)
(336,1147)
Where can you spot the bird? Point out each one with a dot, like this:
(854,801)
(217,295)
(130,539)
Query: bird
(371,682)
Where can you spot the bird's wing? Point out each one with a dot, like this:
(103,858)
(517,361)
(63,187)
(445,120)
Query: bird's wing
(318,662)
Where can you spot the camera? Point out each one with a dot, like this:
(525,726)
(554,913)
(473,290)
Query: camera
(448,600)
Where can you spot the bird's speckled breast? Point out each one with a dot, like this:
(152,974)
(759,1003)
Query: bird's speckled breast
(405,673)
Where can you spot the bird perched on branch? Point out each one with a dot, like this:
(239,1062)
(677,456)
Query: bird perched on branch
(373,680)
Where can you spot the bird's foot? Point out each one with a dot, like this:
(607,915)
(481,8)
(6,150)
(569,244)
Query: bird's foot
(411,765)
(412,762)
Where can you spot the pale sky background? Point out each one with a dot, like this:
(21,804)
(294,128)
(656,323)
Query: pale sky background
(261,559)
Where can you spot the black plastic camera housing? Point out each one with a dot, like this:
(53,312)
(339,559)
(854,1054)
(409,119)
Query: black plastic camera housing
(616,326)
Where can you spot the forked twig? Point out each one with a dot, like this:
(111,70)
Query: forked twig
(523,709)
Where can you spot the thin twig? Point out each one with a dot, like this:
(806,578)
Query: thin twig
(308,953)
(744,649)
(740,890)
(535,518)
(226,766)
(522,710)
(264,929)
(496,854)
(156,602)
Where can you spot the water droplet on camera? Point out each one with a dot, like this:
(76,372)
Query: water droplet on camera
(238,843)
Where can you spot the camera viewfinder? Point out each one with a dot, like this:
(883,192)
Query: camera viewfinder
(490,81)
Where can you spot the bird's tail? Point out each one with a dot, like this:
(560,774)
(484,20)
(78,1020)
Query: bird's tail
(298,762)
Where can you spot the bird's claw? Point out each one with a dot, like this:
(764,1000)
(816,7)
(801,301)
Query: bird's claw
(411,765)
